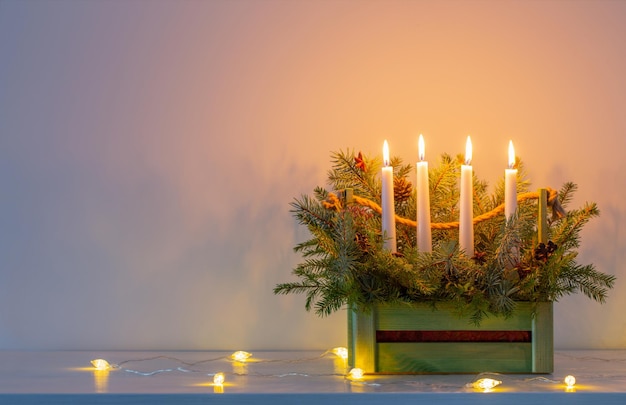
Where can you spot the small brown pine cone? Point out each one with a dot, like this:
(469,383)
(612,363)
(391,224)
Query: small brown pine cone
(402,189)
(363,242)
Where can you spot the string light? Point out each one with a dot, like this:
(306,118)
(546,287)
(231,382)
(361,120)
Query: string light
(570,382)
(218,379)
(240,356)
(101,364)
(485,384)
(341,352)
(356,374)
(482,381)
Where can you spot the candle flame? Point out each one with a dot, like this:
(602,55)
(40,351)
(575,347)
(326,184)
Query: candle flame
(420,148)
(511,155)
(468,151)
(385,153)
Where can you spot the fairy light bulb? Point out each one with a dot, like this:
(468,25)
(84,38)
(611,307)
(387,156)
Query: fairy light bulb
(101,364)
(241,356)
(356,374)
(341,352)
(570,381)
(218,379)
(486,384)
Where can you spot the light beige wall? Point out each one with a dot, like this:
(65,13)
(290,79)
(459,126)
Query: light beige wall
(150,150)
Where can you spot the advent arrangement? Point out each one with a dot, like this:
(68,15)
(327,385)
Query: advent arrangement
(443,276)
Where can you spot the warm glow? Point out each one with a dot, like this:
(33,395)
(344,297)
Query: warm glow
(511,155)
(486,384)
(570,381)
(101,364)
(356,374)
(468,151)
(101,380)
(420,148)
(218,379)
(340,352)
(240,356)
(385,153)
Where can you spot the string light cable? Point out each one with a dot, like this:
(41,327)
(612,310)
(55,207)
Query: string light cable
(102,364)
(238,357)
(483,382)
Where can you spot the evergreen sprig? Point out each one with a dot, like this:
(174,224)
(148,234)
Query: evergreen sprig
(345,263)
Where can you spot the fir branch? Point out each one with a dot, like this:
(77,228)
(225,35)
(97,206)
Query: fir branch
(345,174)
(400,169)
(444,195)
(508,249)
(566,193)
(344,262)
(587,280)
(567,232)
(310,213)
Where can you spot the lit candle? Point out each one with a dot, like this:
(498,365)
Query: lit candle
(466,226)
(389,212)
(510,185)
(424,236)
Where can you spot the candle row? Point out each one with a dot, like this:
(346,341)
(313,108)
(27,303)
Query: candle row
(466,204)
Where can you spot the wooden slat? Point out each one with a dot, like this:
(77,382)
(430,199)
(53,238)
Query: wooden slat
(543,339)
(365,343)
(422,316)
(454,357)
(351,336)
(542,216)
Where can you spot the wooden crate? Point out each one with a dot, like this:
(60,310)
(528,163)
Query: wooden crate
(419,339)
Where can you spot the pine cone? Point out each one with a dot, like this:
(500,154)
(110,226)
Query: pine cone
(363,242)
(402,189)
(543,251)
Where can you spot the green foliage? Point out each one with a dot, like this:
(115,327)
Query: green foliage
(345,263)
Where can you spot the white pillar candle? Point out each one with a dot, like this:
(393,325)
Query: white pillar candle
(466,226)
(424,236)
(510,185)
(389,212)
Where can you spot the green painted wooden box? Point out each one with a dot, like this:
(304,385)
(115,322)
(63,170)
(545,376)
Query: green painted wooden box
(420,339)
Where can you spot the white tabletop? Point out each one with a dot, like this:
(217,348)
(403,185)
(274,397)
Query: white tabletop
(271,377)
